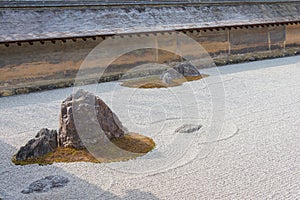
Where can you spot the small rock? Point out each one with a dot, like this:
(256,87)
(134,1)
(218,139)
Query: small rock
(44,142)
(251,59)
(187,69)
(188,128)
(169,75)
(179,71)
(45,184)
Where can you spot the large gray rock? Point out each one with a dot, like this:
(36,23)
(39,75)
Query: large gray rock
(45,184)
(91,114)
(179,71)
(44,142)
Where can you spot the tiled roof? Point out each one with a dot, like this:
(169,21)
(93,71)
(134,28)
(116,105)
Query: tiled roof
(42,23)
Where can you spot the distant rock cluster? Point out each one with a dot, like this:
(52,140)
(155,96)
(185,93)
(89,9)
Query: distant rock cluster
(92,113)
(179,71)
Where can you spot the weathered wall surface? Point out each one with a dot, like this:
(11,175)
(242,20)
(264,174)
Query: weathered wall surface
(44,66)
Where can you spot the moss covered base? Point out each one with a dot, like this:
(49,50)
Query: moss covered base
(156,82)
(134,143)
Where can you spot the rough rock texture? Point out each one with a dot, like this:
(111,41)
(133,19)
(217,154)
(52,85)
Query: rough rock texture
(188,128)
(44,142)
(169,75)
(179,71)
(187,69)
(94,120)
(45,184)
(91,115)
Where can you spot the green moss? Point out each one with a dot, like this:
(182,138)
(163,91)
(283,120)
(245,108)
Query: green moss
(156,82)
(134,144)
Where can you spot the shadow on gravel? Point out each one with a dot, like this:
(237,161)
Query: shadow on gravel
(13,179)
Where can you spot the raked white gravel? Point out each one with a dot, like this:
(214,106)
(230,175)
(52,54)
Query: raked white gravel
(255,156)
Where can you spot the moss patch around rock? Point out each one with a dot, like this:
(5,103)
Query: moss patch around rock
(156,82)
(136,144)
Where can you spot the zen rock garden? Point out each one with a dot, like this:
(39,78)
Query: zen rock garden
(101,132)
(171,77)
(67,145)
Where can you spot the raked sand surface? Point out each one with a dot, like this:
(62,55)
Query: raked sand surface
(248,146)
